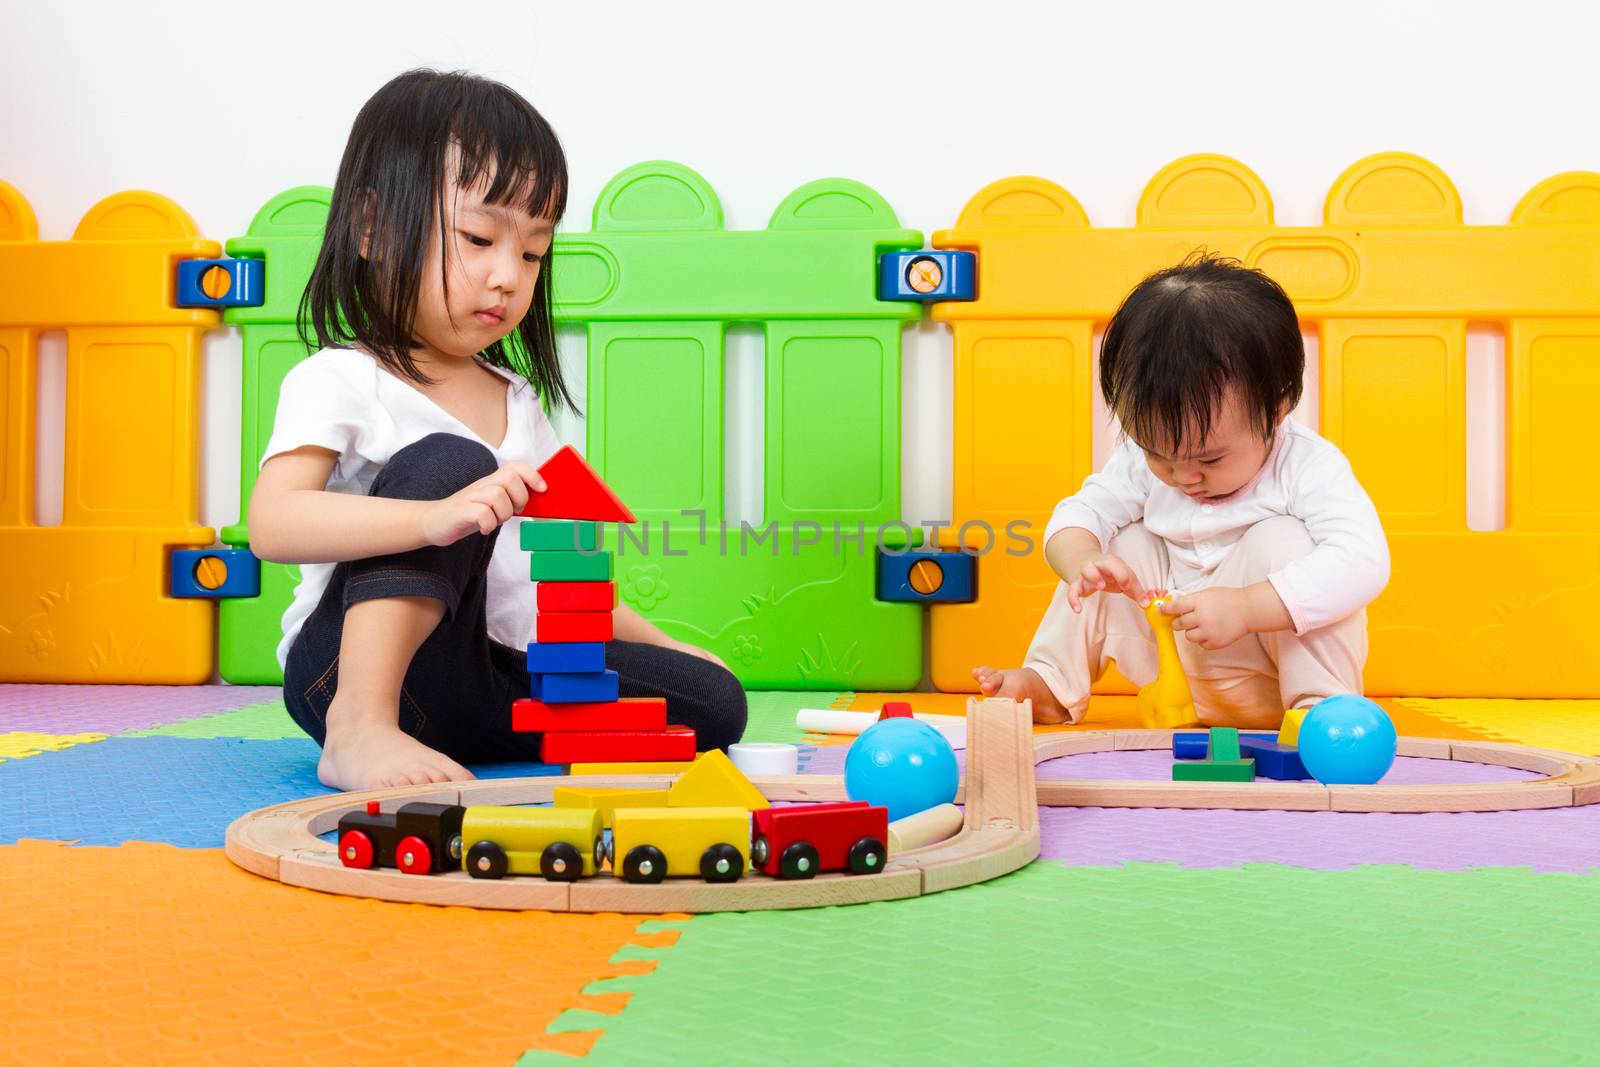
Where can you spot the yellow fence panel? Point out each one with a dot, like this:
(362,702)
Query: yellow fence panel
(86,601)
(1390,281)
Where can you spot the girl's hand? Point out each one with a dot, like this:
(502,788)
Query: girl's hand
(1106,574)
(481,506)
(696,650)
(1211,618)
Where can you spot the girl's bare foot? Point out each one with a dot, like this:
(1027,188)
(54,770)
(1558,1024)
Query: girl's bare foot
(360,753)
(1022,683)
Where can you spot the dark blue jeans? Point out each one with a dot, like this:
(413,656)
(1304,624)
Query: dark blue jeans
(457,693)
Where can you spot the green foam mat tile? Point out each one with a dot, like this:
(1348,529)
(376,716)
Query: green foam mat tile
(772,715)
(264,722)
(1143,963)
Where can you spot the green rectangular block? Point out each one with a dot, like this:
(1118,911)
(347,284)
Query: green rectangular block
(569,567)
(1223,744)
(559,535)
(1234,770)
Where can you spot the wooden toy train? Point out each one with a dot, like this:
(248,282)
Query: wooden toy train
(646,844)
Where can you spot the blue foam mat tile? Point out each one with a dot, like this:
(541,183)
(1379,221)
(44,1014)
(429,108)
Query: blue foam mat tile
(181,791)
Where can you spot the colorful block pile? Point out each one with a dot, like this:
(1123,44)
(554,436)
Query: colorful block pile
(1216,755)
(574,700)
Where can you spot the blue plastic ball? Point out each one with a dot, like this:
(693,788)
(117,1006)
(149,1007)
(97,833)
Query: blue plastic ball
(905,765)
(1347,740)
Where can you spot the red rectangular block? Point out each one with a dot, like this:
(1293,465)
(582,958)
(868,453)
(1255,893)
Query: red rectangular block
(619,746)
(576,596)
(629,713)
(573,626)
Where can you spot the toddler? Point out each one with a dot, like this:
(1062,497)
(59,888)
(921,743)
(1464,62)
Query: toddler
(1256,524)
(404,442)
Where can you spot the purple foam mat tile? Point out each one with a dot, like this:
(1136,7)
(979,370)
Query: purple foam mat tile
(111,709)
(1555,840)
(1156,765)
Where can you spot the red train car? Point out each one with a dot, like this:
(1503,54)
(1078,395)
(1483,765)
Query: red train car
(801,842)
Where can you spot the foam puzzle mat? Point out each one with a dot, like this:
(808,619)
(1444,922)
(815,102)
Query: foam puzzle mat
(1140,935)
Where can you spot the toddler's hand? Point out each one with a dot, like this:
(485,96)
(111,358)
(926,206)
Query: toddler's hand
(1211,618)
(481,506)
(1099,574)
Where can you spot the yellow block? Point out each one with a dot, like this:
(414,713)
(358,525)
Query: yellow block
(681,834)
(86,601)
(714,782)
(1390,281)
(629,768)
(607,801)
(1289,732)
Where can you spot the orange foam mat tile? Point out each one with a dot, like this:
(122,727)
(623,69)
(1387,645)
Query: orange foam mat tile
(146,953)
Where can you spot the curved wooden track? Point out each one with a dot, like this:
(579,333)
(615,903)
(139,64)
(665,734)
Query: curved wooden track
(1001,833)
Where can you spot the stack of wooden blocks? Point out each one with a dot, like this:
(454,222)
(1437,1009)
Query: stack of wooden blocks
(574,700)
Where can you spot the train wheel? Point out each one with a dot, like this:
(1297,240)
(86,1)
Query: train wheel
(644,864)
(413,856)
(799,860)
(721,863)
(561,862)
(601,853)
(760,850)
(867,856)
(355,849)
(487,860)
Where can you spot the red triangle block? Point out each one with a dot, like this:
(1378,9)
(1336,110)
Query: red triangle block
(574,491)
(895,709)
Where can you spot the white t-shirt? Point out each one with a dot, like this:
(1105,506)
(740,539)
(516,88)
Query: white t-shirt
(343,400)
(1305,476)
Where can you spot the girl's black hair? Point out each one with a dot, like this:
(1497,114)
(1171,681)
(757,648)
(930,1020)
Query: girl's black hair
(1188,334)
(391,190)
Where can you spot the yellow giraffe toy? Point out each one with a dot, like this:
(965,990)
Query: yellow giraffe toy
(1165,704)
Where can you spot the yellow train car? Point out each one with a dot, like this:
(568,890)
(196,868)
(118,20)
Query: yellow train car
(648,844)
(559,844)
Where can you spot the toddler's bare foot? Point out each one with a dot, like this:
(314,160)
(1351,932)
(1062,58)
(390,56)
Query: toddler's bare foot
(361,754)
(1022,683)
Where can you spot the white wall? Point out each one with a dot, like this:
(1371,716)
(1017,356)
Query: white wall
(925,102)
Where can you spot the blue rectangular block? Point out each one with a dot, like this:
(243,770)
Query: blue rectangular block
(566,657)
(1193,745)
(1280,762)
(588,687)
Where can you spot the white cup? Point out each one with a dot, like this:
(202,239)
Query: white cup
(765,758)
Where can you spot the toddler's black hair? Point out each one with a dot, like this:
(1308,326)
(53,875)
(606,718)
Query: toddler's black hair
(391,189)
(1188,334)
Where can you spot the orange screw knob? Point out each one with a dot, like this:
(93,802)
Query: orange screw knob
(210,573)
(926,576)
(216,282)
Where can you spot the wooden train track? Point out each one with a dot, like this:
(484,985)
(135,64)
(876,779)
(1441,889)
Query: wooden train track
(1001,832)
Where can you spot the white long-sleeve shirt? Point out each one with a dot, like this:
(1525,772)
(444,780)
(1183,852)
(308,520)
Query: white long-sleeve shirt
(1305,475)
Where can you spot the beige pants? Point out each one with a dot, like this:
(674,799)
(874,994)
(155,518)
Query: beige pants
(1249,683)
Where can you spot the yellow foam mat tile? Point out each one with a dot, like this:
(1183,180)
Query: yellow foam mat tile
(1568,725)
(20,744)
(146,953)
